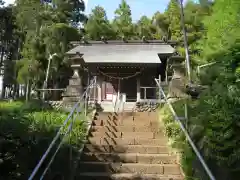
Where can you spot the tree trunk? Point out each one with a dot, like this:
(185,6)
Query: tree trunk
(16,91)
(3,91)
(2,56)
(28,90)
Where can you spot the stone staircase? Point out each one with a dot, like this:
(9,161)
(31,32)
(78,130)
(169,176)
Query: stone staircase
(108,106)
(127,147)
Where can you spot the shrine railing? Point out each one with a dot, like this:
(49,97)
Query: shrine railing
(64,131)
(156,94)
(180,123)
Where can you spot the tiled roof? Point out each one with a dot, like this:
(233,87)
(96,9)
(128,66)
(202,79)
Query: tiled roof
(122,52)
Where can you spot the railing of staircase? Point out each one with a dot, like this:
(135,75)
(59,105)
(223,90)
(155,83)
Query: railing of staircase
(178,120)
(68,123)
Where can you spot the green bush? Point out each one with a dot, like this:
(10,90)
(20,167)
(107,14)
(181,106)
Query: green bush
(26,130)
(177,137)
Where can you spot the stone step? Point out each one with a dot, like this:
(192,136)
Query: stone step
(140,119)
(164,169)
(105,117)
(147,135)
(125,122)
(124,128)
(134,117)
(127,141)
(127,176)
(127,149)
(130,158)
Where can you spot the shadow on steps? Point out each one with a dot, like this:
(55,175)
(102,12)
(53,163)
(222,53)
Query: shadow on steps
(113,160)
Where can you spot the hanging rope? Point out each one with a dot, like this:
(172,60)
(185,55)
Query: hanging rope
(120,78)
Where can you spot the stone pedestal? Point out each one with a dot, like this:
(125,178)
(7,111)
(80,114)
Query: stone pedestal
(177,85)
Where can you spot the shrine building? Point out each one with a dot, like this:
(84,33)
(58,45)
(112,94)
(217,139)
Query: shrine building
(123,67)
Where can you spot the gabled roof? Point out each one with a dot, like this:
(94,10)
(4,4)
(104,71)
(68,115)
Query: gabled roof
(122,52)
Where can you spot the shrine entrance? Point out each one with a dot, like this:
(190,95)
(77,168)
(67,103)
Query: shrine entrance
(111,89)
(119,80)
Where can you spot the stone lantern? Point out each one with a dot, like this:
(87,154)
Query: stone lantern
(177,85)
(74,90)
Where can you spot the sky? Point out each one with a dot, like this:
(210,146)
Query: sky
(138,7)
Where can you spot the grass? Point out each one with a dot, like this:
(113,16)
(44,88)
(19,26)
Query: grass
(26,130)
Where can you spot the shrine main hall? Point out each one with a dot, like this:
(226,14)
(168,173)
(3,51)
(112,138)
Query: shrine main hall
(126,68)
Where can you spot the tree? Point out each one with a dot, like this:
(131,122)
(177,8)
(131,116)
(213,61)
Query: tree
(223,28)
(146,28)
(123,21)
(9,41)
(215,125)
(163,23)
(98,25)
(48,30)
(173,14)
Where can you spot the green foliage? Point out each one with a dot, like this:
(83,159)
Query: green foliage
(173,15)
(46,29)
(222,28)
(98,25)
(162,23)
(146,28)
(123,21)
(26,131)
(177,138)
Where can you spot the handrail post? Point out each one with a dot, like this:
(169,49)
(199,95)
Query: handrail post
(159,91)
(145,94)
(186,114)
(70,150)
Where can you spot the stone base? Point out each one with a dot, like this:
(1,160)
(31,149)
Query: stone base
(146,107)
(75,82)
(71,98)
(73,90)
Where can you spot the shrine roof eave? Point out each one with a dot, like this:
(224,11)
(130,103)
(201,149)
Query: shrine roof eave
(121,42)
(127,54)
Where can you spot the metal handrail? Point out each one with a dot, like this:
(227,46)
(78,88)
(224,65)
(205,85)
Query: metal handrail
(120,104)
(74,109)
(205,166)
(116,103)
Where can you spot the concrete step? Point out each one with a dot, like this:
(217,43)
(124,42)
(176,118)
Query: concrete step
(126,141)
(127,149)
(166,169)
(130,158)
(127,176)
(147,135)
(124,128)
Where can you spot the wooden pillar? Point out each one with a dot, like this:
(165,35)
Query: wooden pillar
(138,89)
